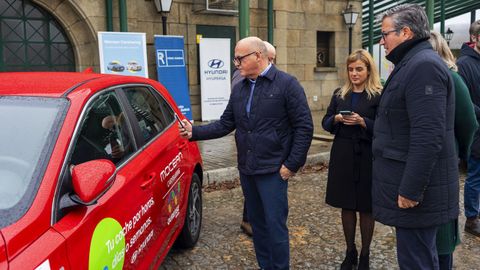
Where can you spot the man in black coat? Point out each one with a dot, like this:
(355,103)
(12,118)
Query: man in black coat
(469,68)
(415,174)
(274,129)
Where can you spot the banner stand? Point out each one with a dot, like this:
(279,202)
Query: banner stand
(214,76)
(171,70)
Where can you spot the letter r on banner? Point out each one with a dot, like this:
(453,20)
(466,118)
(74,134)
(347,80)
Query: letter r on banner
(161,58)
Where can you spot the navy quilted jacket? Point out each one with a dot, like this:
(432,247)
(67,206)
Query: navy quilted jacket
(278,131)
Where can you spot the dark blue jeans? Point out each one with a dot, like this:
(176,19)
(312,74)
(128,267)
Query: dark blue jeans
(417,248)
(267,208)
(472,188)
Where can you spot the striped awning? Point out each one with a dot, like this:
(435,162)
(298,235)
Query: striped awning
(453,8)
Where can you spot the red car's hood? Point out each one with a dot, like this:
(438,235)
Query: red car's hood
(3,253)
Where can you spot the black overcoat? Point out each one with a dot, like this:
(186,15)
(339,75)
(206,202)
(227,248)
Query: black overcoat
(414,145)
(350,168)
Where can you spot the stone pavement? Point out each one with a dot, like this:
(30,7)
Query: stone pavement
(316,239)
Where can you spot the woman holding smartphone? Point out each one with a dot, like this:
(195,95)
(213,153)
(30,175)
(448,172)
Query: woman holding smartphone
(350,116)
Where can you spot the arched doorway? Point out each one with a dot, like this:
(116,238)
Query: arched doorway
(32,40)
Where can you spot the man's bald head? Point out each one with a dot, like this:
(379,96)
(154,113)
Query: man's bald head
(253,43)
(271,52)
(251,57)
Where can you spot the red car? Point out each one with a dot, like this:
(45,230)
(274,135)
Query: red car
(93,173)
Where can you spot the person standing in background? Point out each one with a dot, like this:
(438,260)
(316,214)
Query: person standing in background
(350,116)
(469,68)
(448,236)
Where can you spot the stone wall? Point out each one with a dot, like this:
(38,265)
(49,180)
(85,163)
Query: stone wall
(295,26)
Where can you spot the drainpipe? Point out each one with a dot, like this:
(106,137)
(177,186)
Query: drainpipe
(442,17)
(244,19)
(123,15)
(370,26)
(109,6)
(270,21)
(430,12)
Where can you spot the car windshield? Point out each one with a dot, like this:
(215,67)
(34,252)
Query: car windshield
(28,130)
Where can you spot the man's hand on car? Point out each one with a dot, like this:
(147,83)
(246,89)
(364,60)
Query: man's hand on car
(186,129)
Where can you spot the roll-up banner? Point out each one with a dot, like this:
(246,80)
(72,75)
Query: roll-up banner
(123,53)
(214,76)
(172,72)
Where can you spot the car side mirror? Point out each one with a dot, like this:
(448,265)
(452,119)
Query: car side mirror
(91,180)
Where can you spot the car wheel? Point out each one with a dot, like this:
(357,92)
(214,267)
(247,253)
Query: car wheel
(193,219)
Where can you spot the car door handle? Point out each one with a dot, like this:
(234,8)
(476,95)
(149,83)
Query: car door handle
(147,183)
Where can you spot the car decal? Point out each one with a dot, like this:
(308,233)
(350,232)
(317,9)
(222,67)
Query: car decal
(171,166)
(111,242)
(107,247)
(173,203)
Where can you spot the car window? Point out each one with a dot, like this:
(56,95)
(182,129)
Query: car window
(28,130)
(104,133)
(149,111)
(168,112)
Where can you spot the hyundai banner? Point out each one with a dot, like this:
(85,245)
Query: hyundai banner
(123,53)
(214,76)
(171,70)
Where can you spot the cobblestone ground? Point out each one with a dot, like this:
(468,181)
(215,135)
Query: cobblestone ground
(316,239)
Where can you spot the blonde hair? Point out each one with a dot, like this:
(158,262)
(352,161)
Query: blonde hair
(440,45)
(373,86)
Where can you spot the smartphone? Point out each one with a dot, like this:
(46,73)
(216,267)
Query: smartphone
(346,112)
(179,121)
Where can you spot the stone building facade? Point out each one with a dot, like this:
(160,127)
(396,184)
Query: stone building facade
(310,36)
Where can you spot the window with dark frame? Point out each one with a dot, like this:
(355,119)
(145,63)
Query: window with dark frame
(105,133)
(150,111)
(32,40)
(325,49)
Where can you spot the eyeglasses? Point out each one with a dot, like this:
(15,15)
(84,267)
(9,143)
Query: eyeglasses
(237,61)
(385,34)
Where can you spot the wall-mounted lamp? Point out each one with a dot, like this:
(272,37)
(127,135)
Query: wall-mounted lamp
(350,17)
(163,6)
(448,35)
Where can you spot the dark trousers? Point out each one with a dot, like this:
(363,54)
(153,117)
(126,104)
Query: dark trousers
(445,261)
(245,215)
(417,248)
(267,207)
(472,189)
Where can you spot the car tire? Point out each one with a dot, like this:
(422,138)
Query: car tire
(193,218)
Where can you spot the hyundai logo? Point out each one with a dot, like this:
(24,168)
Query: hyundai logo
(215,63)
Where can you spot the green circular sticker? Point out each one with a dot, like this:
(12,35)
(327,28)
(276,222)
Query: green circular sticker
(107,248)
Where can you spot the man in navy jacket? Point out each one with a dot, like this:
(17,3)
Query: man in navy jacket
(415,173)
(274,129)
(236,78)
(469,68)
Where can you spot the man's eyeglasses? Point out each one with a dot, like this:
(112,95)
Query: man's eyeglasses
(385,34)
(237,61)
